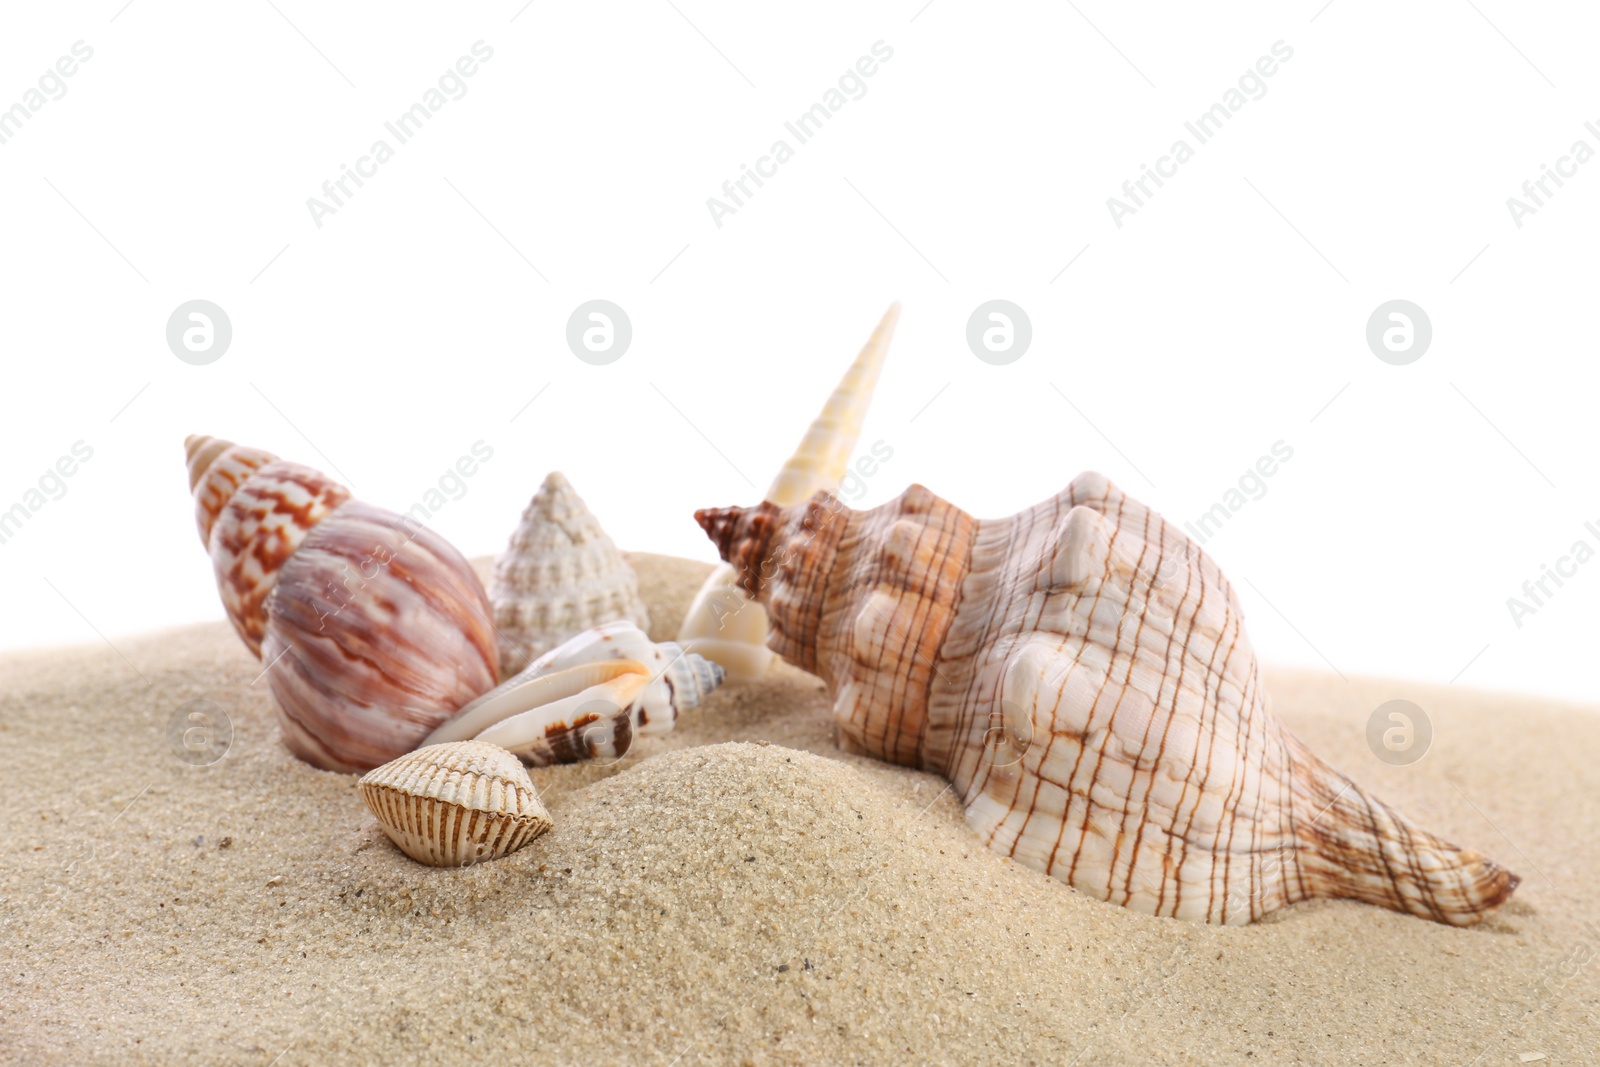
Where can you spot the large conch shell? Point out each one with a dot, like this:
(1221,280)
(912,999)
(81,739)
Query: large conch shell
(374,629)
(559,576)
(588,698)
(722,624)
(1080,673)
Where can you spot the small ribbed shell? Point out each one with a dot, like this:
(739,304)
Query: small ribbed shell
(559,576)
(377,632)
(456,804)
(1080,673)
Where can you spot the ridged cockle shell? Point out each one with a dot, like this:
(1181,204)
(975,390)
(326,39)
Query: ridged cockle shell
(588,698)
(457,804)
(722,623)
(559,576)
(373,628)
(1081,675)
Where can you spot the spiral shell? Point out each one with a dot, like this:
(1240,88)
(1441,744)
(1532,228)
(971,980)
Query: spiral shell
(722,624)
(1080,674)
(374,629)
(253,511)
(376,633)
(559,576)
(457,804)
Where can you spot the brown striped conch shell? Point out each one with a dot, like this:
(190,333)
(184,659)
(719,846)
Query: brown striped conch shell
(722,624)
(374,630)
(455,805)
(559,576)
(588,698)
(1080,673)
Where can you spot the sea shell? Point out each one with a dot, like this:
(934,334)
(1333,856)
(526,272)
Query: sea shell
(455,805)
(588,698)
(1080,673)
(722,624)
(253,510)
(373,628)
(559,576)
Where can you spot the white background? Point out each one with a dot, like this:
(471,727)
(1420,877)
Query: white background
(1227,314)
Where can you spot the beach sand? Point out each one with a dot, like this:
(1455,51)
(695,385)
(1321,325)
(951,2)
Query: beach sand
(736,892)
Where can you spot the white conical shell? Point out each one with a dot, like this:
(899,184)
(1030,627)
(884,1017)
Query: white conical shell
(722,624)
(820,461)
(456,804)
(559,576)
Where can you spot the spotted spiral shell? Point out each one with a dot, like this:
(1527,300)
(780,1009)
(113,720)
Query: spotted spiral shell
(374,630)
(253,511)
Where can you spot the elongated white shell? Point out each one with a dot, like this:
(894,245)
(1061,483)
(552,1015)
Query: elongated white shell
(1081,675)
(722,624)
(559,576)
(456,804)
(588,698)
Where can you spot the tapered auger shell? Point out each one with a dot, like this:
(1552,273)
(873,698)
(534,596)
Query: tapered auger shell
(721,623)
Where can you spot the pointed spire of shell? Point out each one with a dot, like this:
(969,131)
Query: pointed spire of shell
(253,510)
(825,450)
(722,624)
(560,575)
(216,470)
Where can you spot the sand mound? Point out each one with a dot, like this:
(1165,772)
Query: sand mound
(738,891)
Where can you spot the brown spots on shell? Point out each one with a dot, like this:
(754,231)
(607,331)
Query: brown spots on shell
(742,536)
(622,734)
(264,523)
